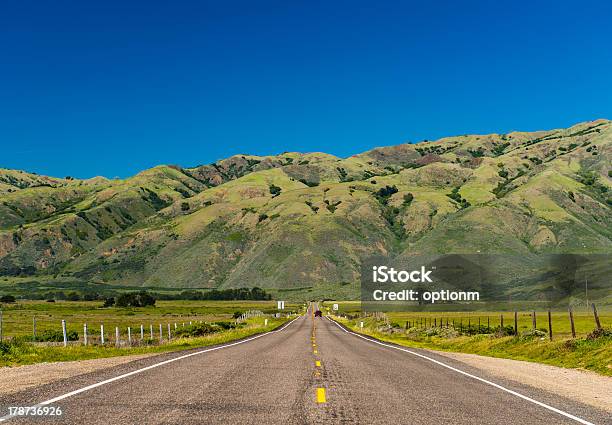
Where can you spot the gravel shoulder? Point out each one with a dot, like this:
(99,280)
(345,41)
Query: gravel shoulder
(16,379)
(579,385)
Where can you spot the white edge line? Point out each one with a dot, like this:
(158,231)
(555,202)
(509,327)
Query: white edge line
(165,362)
(524,397)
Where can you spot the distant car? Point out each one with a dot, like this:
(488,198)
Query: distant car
(318,313)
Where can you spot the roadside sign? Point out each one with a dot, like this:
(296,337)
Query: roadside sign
(335,307)
(280,305)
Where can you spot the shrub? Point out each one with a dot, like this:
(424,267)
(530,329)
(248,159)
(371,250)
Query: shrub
(384,193)
(57,336)
(7,299)
(275,190)
(185,206)
(408,198)
(135,299)
(109,302)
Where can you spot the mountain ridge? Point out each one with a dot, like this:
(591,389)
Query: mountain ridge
(251,220)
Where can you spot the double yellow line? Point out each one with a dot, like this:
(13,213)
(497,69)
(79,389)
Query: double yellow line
(320,396)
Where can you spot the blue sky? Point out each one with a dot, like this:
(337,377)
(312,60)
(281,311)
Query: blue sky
(110,88)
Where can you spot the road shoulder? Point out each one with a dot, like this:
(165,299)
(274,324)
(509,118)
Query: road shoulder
(580,385)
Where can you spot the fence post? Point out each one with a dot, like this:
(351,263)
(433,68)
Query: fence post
(151,329)
(265,322)
(501,320)
(141,332)
(34,328)
(515,322)
(488,324)
(597,322)
(64,333)
(435,322)
(533,319)
(571,317)
(117,336)
(161,333)
(169,337)
(129,336)
(549,325)
(102,334)
(85,333)
(361,325)
(174,325)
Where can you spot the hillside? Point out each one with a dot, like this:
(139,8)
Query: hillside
(302,220)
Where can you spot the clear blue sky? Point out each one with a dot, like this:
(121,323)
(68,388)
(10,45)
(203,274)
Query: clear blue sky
(110,88)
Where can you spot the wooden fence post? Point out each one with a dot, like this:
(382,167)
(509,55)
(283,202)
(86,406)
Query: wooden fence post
(129,336)
(161,333)
(151,329)
(117,336)
(597,322)
(533,319)
(515,322)
(501,320)
(102,334)
(435,322)
(141,332)
(571,317)
(488,324)
(85,334)
(549,325)
(64,333)
(169,337)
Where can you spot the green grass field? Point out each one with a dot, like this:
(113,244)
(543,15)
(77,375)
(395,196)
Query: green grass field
(20,352)
(584,322)
(593,354)
(18,317)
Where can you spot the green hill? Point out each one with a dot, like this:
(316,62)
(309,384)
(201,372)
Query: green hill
(305,220)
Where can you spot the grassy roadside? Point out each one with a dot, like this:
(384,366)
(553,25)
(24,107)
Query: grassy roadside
(581,353)
(22,352)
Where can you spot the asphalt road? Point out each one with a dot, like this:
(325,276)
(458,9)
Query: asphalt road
(275,379)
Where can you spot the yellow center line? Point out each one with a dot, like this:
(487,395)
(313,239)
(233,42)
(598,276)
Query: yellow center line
(317,363)
(321,395)
(316,352)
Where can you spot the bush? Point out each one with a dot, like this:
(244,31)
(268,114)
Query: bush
(600,333)
(275,190)
(135,299)
(109,302)
(533,333)
(7,299)
(57,336)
